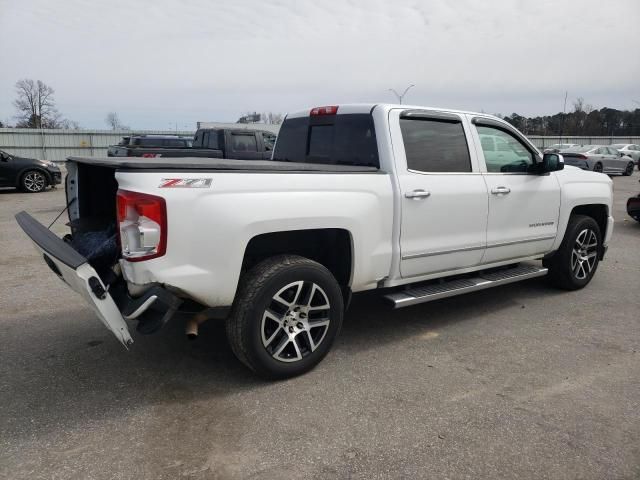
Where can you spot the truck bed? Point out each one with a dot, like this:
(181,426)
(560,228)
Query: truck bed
(217,164)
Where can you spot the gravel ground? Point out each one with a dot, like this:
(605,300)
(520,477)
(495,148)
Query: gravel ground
(521,381)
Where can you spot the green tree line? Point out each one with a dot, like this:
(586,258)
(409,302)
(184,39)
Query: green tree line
(584,120)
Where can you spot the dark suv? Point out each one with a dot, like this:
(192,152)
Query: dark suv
(27,174)
(134,145)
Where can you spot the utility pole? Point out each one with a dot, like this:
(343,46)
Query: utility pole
(400,97)
(564,113)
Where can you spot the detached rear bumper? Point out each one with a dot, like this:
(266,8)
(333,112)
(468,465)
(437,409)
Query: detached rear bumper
(112,306)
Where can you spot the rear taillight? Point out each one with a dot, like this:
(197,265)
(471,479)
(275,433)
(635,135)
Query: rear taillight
(328,110)
(142,223)
(583,157)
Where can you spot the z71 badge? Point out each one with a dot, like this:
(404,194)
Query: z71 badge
(185,183)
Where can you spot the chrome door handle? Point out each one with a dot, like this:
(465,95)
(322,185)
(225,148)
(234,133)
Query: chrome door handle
(417,194)
(500,190)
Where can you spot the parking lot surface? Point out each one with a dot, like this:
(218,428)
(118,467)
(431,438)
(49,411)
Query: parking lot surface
(521,381)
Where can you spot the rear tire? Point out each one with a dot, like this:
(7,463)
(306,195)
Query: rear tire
(598,167)
(33,181)
(287,314)
(629,170)
(572,267)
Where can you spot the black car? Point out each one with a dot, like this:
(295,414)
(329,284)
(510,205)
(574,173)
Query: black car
(27,174)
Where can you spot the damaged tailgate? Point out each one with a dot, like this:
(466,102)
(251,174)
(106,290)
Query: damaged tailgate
(75,271)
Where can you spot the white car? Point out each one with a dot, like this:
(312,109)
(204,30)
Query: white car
(414,202)
(630,150)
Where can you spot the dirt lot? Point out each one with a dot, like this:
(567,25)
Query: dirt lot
(518,382)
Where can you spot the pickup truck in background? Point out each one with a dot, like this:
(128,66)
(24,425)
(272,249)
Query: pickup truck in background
(237,144)
(138,145)
(399,199)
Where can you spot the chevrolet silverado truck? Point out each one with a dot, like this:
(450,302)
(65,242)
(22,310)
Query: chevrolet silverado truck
(416,203)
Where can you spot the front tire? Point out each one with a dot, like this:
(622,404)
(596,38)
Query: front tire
(33,181)
(629,170)
(572,267)
(287,314)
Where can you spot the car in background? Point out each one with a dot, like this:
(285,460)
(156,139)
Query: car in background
(633,207)
(132,146)
(598,158)
(630,150)
(556,147)
(27,174)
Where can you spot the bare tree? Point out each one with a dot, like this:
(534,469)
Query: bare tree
(36,105)
(113,120)
(273,118)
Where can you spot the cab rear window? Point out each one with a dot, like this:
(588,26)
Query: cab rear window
(347,139)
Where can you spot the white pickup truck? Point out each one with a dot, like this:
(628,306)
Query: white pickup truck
(415,202)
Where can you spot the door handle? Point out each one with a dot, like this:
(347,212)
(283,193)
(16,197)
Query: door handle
(417,194)
(500,190)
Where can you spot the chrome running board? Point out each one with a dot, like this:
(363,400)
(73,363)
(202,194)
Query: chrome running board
(428,293)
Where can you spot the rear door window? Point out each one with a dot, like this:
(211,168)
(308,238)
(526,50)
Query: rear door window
(436,145)
(243,142)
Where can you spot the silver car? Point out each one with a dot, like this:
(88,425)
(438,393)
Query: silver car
(599,158)
(556,147)
(630,150)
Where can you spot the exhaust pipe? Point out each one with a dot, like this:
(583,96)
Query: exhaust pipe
(191,329)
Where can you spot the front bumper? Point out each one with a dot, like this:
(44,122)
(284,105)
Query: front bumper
(56,177)
(112,305)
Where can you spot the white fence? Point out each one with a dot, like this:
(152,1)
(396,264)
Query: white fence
(57,145)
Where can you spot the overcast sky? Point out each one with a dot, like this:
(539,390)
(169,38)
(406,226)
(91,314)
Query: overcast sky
(158,62)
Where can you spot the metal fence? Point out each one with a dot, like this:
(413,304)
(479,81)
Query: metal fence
(57,145)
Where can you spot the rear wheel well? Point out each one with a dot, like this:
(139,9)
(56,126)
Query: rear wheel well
(330,247)
(598,212)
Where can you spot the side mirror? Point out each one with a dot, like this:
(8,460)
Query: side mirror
(4,157)
(551,162)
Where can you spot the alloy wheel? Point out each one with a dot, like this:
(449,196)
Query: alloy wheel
(597,167)
(296,321)
(584,254)
(34,181)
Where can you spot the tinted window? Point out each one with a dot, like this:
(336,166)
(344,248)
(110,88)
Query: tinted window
(435,146)
(320,140)
(269,140)
(347,139)
(176,143)
(212,140)
(244,142)
(149,142)
(511,156)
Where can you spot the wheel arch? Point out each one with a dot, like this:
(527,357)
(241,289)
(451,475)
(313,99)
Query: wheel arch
(331,247)
(598,211)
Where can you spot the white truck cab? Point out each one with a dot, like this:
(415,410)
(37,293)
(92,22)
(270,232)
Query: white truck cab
(418,203)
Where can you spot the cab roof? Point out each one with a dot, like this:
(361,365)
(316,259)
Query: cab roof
(346,108)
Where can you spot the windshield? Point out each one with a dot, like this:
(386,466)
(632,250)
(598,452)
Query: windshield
(347,139)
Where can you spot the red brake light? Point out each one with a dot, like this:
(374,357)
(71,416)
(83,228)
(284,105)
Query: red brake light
(142,223)
(328,110)
(583,157)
